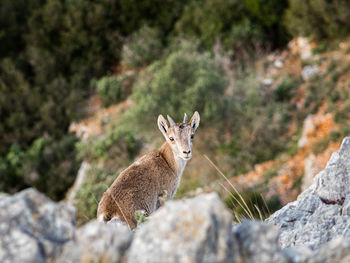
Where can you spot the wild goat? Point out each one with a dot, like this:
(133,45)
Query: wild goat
(153,177)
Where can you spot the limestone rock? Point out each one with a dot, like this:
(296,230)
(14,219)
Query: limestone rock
(337,250)
(190,230)
(33,228)
(257,242)
(81,177)
(98,242)
(297,254)
(321,212)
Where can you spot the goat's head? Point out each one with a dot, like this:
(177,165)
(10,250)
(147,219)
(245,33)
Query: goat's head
(179,135)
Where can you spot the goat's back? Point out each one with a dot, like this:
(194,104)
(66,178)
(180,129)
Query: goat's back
(138,188)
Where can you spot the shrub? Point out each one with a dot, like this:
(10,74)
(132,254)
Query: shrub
(244,39)
(113,152)
(318,19)
(49,165)
(11,180)
(114,89)
(142,47)
(237,23)
(90,193)
(183,82)
(340,117)
(256,206)
(255,122)
(321,145)
(207,19)
(49,51)
(13,21)
(285,90)
(118,147)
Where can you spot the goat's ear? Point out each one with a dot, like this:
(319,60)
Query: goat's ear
(194,122)
(163,125)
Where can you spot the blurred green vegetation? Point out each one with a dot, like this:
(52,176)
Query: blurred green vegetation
(184,80)
(49,165)
(243,26)
(318,19)
(90,193)
(50,50)
(54,55)
(107,156)
(256,120)
(142,47)
(286,89)
(253,206)
(116,143)
(113,89)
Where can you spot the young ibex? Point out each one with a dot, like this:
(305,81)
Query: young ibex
(146,181)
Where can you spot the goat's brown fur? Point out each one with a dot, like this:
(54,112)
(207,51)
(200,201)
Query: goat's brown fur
(142,183)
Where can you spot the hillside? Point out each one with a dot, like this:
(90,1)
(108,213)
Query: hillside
(82,83)
(307,92)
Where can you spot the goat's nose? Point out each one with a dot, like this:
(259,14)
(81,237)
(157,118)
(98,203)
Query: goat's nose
(188,152)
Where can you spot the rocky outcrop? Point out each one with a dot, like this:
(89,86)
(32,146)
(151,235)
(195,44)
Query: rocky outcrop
(97,242)
(81,177)
(33,228)
(192,230)
(321,212)
(256,241)
(313,229)
(200,230)
(337,250)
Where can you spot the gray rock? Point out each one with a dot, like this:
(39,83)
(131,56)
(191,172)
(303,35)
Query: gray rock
(255,241)
(33,228)
(337,250)
(309,71)
(3,195)
(313,229)
(297,254)
(117,222)
(190,230)
(321,212)
(98,242)
(80,179)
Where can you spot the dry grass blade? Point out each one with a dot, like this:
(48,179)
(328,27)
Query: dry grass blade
(92,194)
(238,217)
(260,214)
(86,217)
(234,188)
(239,203)
(267,207)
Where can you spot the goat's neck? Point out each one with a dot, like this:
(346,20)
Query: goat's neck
(176,163)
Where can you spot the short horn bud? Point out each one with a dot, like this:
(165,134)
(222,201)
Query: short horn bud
(186,119)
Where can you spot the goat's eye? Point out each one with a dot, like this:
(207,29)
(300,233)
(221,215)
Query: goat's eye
(171,139)
(192,135)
